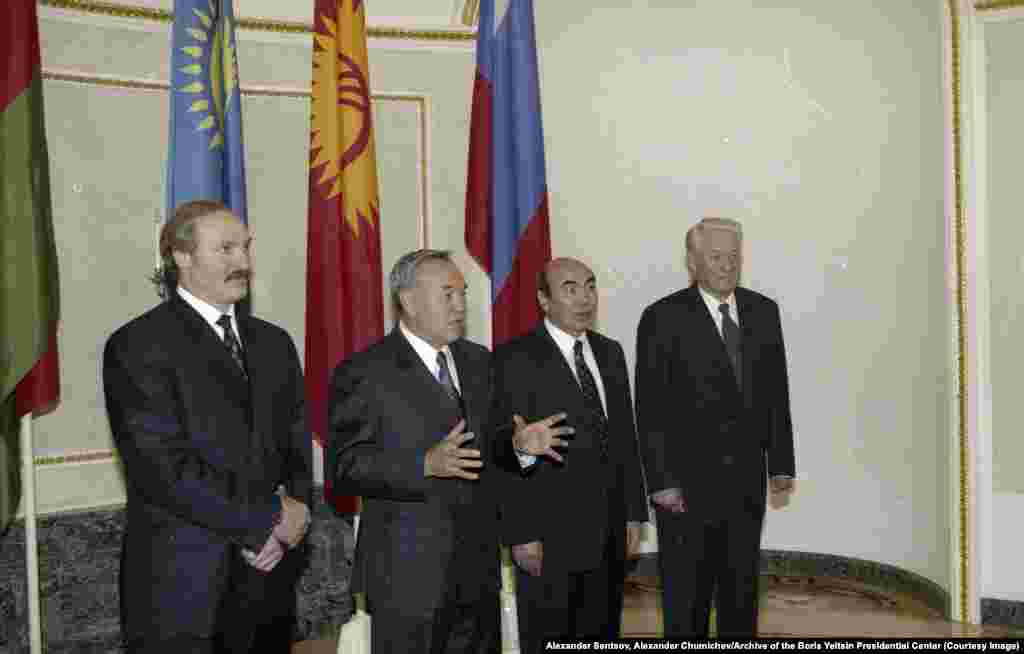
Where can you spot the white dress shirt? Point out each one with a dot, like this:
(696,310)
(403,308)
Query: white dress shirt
(428,353)
(713,303)
(566,344)
(211,314)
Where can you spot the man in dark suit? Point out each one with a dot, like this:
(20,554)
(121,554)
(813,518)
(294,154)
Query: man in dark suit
(407,421)
(569,516)
(206,408)
(713,415)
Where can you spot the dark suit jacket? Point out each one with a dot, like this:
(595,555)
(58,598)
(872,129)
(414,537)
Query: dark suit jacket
(419,537)
(203,452)
(698,430)
(571,507)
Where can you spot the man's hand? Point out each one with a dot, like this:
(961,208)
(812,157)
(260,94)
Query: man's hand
(781,484)
(294,521)
(541,437)
(670,499)
(781,491)
(529,557)
(632,539)
(449,459)
(269,556)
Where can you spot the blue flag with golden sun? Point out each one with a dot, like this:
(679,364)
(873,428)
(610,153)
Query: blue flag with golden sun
(205,158)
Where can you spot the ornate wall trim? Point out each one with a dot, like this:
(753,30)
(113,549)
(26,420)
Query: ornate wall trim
(258,24)
(470,13)
(995,5)
(959,231)
(85,456)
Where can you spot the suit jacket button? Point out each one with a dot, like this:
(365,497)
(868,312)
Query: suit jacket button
(727,460)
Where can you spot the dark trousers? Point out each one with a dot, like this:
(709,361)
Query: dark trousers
(256,615)
(273,638)
(454,628)
(570,604)
(258,612)
(704,557)
(174,645)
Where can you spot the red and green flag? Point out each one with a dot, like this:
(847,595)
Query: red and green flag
(29,293)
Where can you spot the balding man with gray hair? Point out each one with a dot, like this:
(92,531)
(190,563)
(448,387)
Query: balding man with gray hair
(712,402)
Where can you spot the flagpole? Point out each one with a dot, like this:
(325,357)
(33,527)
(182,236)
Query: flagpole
(158,223)
(28,476)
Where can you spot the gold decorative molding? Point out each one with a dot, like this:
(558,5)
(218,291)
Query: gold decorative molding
(77,457)
(257,24)
(994,5)
(471,13)
(959,229)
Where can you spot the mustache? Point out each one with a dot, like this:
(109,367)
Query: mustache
(244,275)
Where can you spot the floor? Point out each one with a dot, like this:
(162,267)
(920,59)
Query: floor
(796,607)
(817,607)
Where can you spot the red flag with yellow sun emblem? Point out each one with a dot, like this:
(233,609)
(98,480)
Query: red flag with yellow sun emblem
(344,282)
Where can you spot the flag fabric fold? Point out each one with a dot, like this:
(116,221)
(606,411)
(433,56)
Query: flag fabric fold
(344,279)
(29,289)
(206,155)
(507,227)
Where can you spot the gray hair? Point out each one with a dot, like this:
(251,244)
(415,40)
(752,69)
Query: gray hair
(403,273)
(695,235)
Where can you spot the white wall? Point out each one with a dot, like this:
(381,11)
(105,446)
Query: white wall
(1001,270)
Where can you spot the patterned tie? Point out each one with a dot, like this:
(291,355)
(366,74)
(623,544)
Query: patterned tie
(231,343)
(732,337)
(444,376)
(591,396)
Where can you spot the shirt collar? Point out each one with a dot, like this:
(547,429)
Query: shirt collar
(210,313)
(563,339)
(425,350)
(713,302)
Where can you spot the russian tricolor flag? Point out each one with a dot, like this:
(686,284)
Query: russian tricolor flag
(507,226)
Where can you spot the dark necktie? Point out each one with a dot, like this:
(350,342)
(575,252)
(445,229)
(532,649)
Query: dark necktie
(231,342)
(591,396)
(444,376)
(732,337)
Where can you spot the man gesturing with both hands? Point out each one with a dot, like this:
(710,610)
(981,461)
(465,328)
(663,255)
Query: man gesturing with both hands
(408,419)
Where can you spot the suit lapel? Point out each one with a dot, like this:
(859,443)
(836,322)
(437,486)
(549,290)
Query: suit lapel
(548,351)
(211,349)
(416,373)
(603,358)
(469,381)
(560,374)
(708,329)
(747,350)
(259,374)
(472,378)
(709,334)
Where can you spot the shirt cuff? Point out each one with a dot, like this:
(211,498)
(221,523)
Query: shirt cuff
(526,460)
